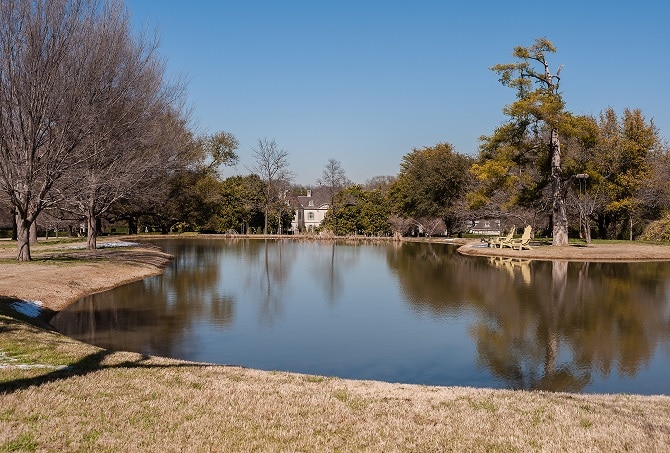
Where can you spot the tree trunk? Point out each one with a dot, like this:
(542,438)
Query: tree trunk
(33,233)
(587,229)
(602,228)
(92,231)
(132,225)
(559,214)
(23,238)
(14,227)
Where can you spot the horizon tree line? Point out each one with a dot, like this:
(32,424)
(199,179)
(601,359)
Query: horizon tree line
(92,130)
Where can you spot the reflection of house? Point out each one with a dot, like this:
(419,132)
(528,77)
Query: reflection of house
(486,227)
(310,210)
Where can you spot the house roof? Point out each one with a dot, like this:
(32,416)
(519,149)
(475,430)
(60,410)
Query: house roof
(486,225)
(320,200)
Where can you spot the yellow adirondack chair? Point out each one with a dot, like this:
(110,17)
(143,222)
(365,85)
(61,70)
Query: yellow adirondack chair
(524,241)
(497,241)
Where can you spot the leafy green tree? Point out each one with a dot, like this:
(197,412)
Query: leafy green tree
(359,211)
(524,155)
(656,194)
(218,149)
(190,195)
(431,183)
(638,139)
(625,168)
(376,212)
(237,207)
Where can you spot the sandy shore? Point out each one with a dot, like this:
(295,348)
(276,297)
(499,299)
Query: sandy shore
(60,274)
(614,252)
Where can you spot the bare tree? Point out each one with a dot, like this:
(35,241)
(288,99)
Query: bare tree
(400,226)
(379,182)
(334,179)
(271,165)
(127,143)
(53,83)
(431,225)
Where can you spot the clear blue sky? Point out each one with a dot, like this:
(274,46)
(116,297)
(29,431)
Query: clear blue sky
(365,82)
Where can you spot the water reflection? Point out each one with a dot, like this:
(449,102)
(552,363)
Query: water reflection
(547,325)
(408,312)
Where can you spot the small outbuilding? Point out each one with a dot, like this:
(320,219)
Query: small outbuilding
(486,227)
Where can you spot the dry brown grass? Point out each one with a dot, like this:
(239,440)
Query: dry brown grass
(106,401)
(121,401)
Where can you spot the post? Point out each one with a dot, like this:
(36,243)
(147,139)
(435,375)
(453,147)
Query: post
(583,234)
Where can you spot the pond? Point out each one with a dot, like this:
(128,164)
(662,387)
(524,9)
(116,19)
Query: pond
(397,312)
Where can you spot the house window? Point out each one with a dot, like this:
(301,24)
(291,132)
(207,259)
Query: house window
(311,202)
(310,216)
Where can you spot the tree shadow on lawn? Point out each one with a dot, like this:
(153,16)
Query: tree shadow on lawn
(90,364)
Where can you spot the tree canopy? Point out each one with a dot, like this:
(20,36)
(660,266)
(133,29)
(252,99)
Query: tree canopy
(431,182)
(524,154)
(91,131)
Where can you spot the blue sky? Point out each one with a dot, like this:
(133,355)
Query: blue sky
(365,82)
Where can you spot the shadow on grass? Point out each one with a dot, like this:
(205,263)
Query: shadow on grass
(89,364)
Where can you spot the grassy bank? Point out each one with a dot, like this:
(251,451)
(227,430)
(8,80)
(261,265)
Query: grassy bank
(57,394)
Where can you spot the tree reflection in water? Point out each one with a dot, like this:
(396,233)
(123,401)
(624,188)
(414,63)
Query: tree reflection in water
(530,324)
(545,325)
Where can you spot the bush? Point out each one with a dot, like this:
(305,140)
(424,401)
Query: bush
(658,230)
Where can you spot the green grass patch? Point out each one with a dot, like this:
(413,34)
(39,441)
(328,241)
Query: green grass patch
(315,379)
(485,405)
(353,402)
(23,342)
(24,442)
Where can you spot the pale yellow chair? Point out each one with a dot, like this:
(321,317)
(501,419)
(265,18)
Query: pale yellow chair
(497,242)
(524,241)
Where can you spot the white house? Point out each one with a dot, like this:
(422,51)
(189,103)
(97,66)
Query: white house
(486,227)
(310,210)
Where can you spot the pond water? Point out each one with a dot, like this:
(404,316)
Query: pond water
(396,312)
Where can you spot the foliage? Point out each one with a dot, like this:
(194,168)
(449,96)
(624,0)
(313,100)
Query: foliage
(359,211)
(627,168)
(523,157)
(219,149)
(431,182)
(658,230)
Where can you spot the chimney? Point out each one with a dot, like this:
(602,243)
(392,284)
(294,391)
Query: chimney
(309,192)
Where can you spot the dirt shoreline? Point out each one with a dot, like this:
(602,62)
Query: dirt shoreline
(58,276)
(615,252)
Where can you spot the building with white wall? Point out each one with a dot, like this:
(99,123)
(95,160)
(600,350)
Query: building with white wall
(310,210)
